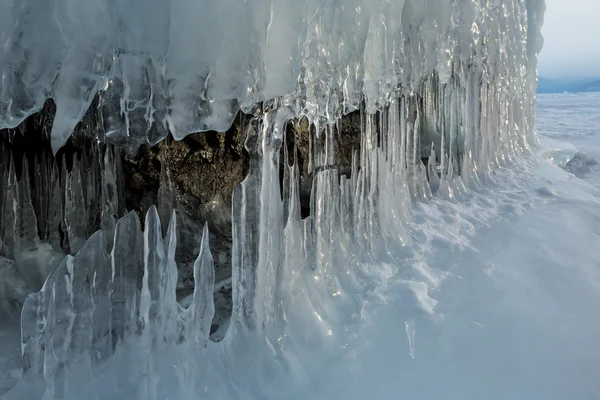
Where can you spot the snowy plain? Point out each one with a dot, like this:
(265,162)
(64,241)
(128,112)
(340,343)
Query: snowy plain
(496,297)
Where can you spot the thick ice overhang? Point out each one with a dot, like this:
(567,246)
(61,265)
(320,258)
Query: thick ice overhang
(188,66)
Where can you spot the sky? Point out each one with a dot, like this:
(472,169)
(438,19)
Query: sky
(571,39)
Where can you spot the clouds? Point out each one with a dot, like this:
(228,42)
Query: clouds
(571,39)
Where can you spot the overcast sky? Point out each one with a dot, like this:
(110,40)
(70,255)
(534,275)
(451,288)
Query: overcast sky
(571,39)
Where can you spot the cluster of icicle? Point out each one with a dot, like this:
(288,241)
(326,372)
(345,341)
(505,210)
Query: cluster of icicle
(189,66)
(70,202)
(107,325)
(449,81)
(48,208)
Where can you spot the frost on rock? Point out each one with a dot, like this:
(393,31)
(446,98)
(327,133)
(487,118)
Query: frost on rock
(445,91)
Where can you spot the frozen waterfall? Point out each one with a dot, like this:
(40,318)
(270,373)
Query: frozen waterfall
(446,95)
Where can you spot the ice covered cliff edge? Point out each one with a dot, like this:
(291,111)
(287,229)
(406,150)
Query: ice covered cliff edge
(106,324)
(188,66)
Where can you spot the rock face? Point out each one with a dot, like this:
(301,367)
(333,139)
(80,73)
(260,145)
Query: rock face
(195,176)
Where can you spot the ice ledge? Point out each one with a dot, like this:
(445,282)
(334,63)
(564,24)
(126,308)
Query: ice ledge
(158,73)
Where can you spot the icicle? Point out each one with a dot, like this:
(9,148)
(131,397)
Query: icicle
(286,176)
(311,160)
(74,205)
(244,257)
(434,180)
(168,286)
(151,316)
(126,268)
(3,194)
(8,218)
(403,138)
(27,233)
(328,153)
(166,196)
(110,197)
(93,193)
(202,308)
(55,209)
(443,133)
(40,191)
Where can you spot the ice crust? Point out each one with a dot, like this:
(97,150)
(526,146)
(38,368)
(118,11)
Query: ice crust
(452,80)
(184,66)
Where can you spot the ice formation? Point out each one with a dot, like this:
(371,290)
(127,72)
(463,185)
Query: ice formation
(451,82)
(188,67)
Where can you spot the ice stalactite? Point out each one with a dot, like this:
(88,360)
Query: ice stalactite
(157,77)
(73,198)
(51,206)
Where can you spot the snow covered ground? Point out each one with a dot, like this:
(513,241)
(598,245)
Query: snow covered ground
(498,296)
(506,305)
